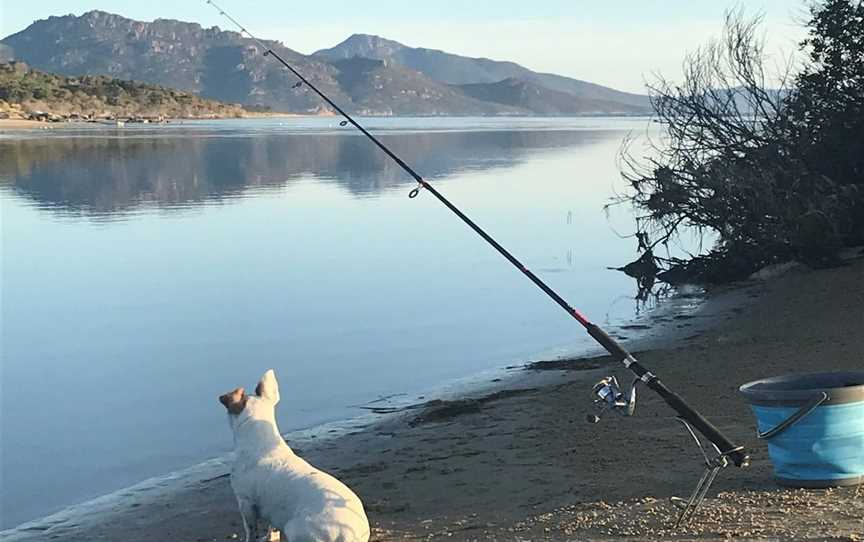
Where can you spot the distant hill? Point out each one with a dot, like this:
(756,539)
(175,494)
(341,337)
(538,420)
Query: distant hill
(462,70)
(225,66)
(210,62)
(540,100)
(25,93)
(395,90)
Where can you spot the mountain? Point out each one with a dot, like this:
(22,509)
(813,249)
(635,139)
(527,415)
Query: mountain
(213,63)
(375,88)
(364,74)
(462,70)
(528,95)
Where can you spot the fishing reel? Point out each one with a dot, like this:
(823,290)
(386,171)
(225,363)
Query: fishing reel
(610,398)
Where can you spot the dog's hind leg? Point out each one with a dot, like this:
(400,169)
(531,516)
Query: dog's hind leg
(249,514)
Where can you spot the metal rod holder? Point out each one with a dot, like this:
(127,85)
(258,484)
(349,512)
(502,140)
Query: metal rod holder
(713,464)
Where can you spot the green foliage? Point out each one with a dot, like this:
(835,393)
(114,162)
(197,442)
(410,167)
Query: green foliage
(97,95)
(774,175)
(826,111)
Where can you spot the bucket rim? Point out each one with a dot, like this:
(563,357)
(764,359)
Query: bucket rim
(770,391)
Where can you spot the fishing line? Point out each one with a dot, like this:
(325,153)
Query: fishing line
(608,393)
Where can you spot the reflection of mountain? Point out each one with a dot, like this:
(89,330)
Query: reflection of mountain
(111,175)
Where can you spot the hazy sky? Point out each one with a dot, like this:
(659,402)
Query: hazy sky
(617,43)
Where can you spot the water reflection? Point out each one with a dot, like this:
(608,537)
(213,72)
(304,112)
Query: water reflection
(111,176)
(353,293)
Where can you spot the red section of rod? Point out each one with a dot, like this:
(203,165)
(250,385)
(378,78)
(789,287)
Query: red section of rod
(581,318)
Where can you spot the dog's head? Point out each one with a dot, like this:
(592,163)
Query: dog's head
(260,405)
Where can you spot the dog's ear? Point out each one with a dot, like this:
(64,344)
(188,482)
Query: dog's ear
(268,388)
(234,401)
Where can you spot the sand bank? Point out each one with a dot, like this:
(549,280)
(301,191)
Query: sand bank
(17,124)
(20,124)
(522,464)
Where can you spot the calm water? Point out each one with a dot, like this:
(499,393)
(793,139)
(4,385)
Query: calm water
(146,271)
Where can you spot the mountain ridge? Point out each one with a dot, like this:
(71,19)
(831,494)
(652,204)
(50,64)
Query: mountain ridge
(461,70)
(526,93)
(225,66)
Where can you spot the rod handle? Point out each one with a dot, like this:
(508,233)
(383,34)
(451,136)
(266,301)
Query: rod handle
(736,453)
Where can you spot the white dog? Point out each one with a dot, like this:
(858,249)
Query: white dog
(273,484)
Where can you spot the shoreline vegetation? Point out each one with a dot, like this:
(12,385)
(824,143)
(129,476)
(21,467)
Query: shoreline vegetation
(520,462)
(31,98)
(774,175)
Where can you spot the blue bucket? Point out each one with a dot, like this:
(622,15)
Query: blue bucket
(814,426)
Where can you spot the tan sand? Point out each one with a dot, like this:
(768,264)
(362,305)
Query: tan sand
(17,124)
(20,124)
(526,466)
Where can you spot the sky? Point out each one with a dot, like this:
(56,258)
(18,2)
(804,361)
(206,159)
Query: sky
(617,43)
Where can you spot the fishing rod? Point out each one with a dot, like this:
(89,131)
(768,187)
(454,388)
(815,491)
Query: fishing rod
(609,395)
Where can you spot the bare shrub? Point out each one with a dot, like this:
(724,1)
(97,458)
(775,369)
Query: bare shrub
(734,161)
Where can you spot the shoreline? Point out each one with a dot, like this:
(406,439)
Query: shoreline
(658,326)
(520,462)
(23,124)
(12,125)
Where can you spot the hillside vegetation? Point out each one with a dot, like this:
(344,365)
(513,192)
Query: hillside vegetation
(28,93)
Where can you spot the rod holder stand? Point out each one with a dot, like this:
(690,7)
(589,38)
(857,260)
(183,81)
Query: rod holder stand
(714,461)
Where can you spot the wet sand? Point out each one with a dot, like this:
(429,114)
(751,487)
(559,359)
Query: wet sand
(522,464)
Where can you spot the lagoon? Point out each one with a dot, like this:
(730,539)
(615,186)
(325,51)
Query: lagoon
(147,270)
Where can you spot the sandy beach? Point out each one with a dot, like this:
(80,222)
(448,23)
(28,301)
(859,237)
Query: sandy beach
(522,463)
(18,124)
(14,125)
